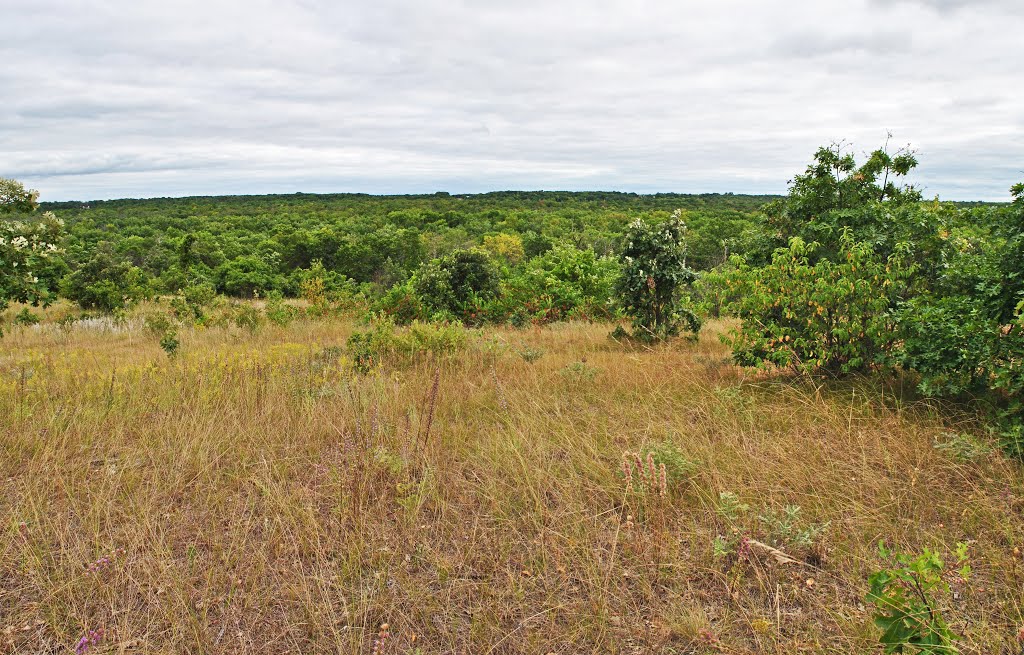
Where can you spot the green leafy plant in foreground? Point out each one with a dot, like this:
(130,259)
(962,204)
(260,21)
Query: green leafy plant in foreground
(904,596)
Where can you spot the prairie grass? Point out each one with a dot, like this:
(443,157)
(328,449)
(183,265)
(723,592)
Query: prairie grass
(254,494)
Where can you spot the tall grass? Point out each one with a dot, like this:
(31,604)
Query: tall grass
(255,494)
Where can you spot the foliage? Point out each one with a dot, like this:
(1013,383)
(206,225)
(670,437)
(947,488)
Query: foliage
(105,282)
(278,311)
(654,277)
(834,194)
(504,247)
(169,342)
(906,607)
(192,301)
(451,285)
(564,282)
(788,528)
(30,260)
(384,343)
(247,316)
(26,317)
(247,244)
(826,315)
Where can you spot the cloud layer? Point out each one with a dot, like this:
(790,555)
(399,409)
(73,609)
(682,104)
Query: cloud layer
(113,98)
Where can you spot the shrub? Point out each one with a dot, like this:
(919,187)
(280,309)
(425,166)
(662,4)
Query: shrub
(192,300)
(157,323)
(454,283)
(277,311)
(384,344)
(26,317)
(169,342)
(106,282)
(401,304)
(247,316)
(29,256)
(906,608)
(564,282)
(654,278)
(828,315)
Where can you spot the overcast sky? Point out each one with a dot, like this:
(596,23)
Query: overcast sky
(133,98)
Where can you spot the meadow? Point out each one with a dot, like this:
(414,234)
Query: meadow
(536,490)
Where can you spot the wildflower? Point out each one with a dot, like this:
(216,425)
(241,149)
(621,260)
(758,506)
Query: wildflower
(382,637)
(88,640)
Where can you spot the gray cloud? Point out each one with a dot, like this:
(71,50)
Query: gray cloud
(249,96)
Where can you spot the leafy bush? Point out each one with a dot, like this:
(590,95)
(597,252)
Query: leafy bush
(29,256)
(453,284)
(654,278)
(106,282)
(26,317)
(564,282)
(906,608)
(278,311)
(192,300)
(385,344)
(169,342)
(157,323)
(401,304)
(827,315)
(247,316)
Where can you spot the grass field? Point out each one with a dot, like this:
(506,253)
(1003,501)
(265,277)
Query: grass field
(254,495)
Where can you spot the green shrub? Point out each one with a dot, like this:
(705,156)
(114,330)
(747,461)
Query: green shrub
(565,282)
(401,304)
(906,607)
(654,280)
(385,344)
(456,283)
(157,323)
(106,282)
(26,317)
(169,342)
(277,311)
(247,316)
(828,315)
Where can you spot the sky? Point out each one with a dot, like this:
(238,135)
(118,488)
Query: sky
(132,98)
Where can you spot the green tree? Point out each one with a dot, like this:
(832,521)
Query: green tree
(30,259)
(836,193)
(654,278)
(454,283)
(106,282)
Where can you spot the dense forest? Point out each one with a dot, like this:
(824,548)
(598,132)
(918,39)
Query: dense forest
(259,244)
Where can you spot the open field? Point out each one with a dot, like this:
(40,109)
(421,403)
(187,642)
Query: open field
(255,495)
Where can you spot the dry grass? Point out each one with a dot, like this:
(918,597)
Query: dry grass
(268,500)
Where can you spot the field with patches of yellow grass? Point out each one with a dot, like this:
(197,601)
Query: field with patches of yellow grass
(255,495)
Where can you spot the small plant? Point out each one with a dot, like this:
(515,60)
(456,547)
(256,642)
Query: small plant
(26,317)
(278,312)
(530,354)
(730,507)
(579,372)
(786,528)
(157,323)
(383,342)
(248,317)
(963,446)
(169,342)
(88,640)
(646,477)
(904,596)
